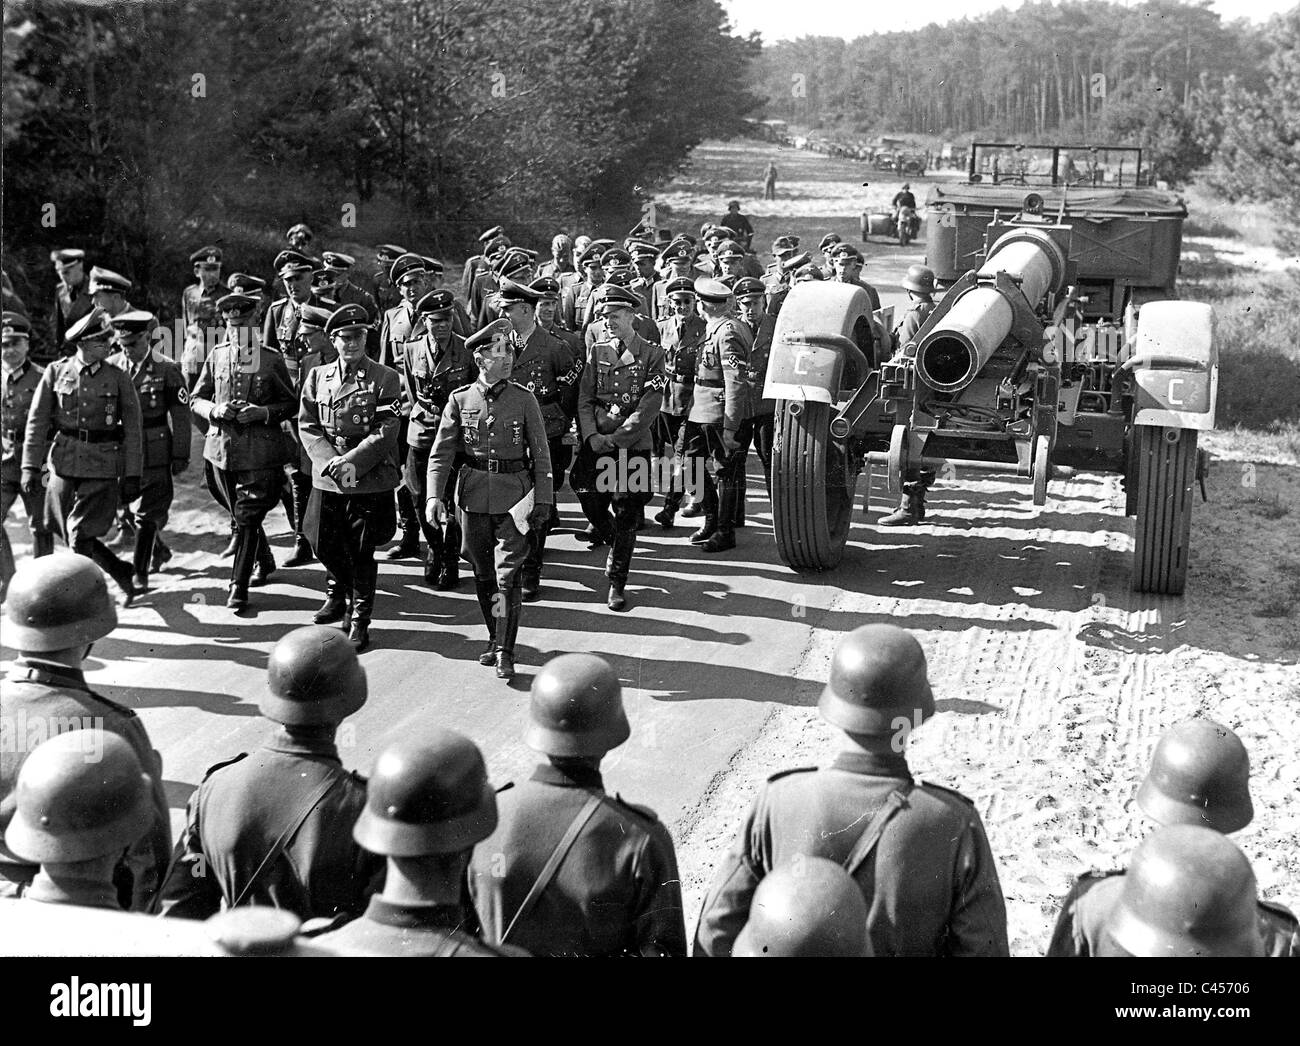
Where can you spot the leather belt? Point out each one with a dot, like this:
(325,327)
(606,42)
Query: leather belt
(496,465)
(161,423)
(711,383)
(93,436)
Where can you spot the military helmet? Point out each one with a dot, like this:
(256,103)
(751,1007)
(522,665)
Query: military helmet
(427,795)
(56,602)
(919,278)
(81,794)
(1188,892)
(576,708)
(809,908)
(877,677)
(313,677)
(1200,774)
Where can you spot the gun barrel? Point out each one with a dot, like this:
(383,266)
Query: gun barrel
(951,355)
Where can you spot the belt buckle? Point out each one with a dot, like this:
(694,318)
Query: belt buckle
(494,465)
(83,435)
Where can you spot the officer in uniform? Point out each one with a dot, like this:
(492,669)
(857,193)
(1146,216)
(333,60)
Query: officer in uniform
(496,428)
(18,381)
(752,301)
(108,291)
(244,393)
(490,239)
(404,327)
(809,909)
(280,333)
(827,247)
(847,262)
(919,284)
(385,292)
(1188,893)
(349,419)
(546,311)
(337,283)
(199,312)
(58,607)
(561,258)
(94,412)
(622,388)
(1200,775)
(81,800)
(549,369)
(918,851)
(621,276)
(460,321)
(275,827)
(71,296)
(681,334)
(255,287)
(572,870)
(677,258)
(719,426)
(575,304)
(165,424)
(516,266)
(428,803)
(433,367)
(644,275)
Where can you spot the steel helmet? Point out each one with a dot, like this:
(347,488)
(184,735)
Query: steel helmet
(427,795)
(56,602)
(1200,774)
(313,677)
(809,908)
(919,278)
(576,708)
(81,794)
(1188,892)
(877,677)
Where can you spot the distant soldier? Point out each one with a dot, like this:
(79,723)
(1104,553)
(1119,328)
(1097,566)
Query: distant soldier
(71,296)
(428,803)
(574,275)
(1189,893)
(621,276)
(739,225)
(903,198)
(622,387)
(548,368)
(485,278)
(827,246)
(299,238)
(769,182)
(847,262)
(348,421)
(337,285)
(561,258)
(275,827)
(82,799)
(488,238)
(460,321)
(644,275)
(244,393)
(496,428)
(86,415)
(199,313)
(752,302)
(810,908)
(917,851)
(730,259)
(575,305)
(18,384)
(681,334)
(719,425)
(546,311)
(572,870)
(403,326)
(783,247)
(109,290)
(280,332)
(165,425)
(919,284)
(386,295)
(434,366)
(58,607)
(1200,775)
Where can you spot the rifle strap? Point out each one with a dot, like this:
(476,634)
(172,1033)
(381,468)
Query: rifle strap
(278,846)
(552,865)
(867,841)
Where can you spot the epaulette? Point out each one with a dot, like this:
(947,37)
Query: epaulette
(642,811)
(224,763)
(797,770)
(947,791)
(462,388)
(126,713)
(521,388)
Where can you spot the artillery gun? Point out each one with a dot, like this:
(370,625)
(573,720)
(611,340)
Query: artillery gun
(1059,343)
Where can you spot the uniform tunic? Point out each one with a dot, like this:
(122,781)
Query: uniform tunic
(41,699)
(245,804)
(575,306)
(280,332)
(69,307)
(410,930)
(931,885)
(431,372)
(17,390)
(913,319)
(1081,925)
(617,891)
(165,420)
(203,324)
(94,413)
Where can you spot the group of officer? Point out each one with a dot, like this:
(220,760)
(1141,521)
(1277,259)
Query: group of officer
(427,856)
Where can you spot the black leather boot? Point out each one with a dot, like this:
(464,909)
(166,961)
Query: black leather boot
(112,566)
(724,537)
(302,554)
(335,607)
(229,550)
(507,630)
(601,529)
(145,533)
(738,513)
(449,574)
(42,543)
(911,508)
(241,571)
(486,590)
(409,521)
(618,564)
(265,565)
(161,553)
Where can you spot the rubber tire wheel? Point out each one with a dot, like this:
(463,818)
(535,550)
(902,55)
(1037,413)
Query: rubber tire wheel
(1166,476)
(812,492)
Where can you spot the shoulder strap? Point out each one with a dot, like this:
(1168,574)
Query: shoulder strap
(867,840)
(553,862)
(278,846)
